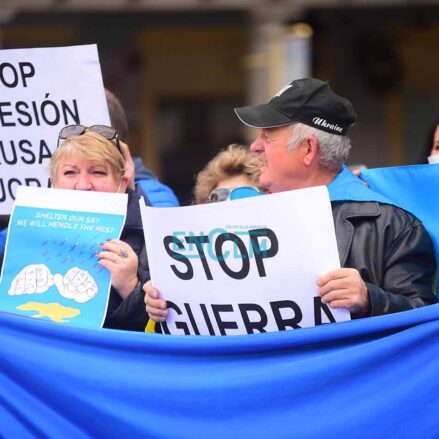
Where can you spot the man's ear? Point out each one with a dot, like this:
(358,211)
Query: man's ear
(310,149)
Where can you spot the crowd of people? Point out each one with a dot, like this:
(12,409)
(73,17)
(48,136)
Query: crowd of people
(387,257)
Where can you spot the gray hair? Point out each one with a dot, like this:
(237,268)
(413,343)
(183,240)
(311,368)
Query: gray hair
(334,149)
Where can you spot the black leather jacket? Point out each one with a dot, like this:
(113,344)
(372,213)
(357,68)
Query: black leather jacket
(130,314)
(392,251)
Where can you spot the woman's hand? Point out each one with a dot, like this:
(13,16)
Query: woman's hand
(155,306)
(119,258)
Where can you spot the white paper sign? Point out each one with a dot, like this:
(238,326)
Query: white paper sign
(51,269)
(244,266)
(43,90)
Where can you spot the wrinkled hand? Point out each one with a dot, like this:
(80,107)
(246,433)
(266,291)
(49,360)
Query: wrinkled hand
(344,288)
(130,168)
(155,307)
(118,257)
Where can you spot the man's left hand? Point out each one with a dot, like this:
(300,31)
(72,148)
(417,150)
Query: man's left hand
(344,288)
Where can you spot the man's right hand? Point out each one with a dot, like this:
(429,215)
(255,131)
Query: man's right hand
(155,307)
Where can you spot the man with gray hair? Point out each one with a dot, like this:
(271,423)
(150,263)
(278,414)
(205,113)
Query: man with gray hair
(387,256)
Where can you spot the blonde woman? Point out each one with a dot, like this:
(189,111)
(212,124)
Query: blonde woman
(91,159)
(235,168)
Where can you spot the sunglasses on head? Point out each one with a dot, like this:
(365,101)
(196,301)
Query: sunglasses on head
(108,133)
(224,193)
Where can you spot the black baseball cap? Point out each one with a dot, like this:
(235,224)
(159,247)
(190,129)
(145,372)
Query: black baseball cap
(306,100)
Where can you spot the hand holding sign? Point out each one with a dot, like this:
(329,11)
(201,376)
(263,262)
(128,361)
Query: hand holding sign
(344,288)
(119,258)
(224,274)
(155,306)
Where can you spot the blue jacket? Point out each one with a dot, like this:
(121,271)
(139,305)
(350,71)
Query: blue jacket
(147,183)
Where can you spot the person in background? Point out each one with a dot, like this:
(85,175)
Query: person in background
(387,256)
(90,159)
(232,173)
(431,154)
(145,182)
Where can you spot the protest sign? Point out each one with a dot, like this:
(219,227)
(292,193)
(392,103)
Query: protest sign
(43,90)
(50,269)
(244,266)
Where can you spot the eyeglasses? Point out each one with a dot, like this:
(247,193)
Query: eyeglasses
(108,133)
(224,193)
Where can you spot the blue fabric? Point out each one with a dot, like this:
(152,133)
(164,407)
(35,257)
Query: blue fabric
(158,193)
(141,171)
(240,192)
(347,187)
(414,188)
(367,378)
(3,235)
